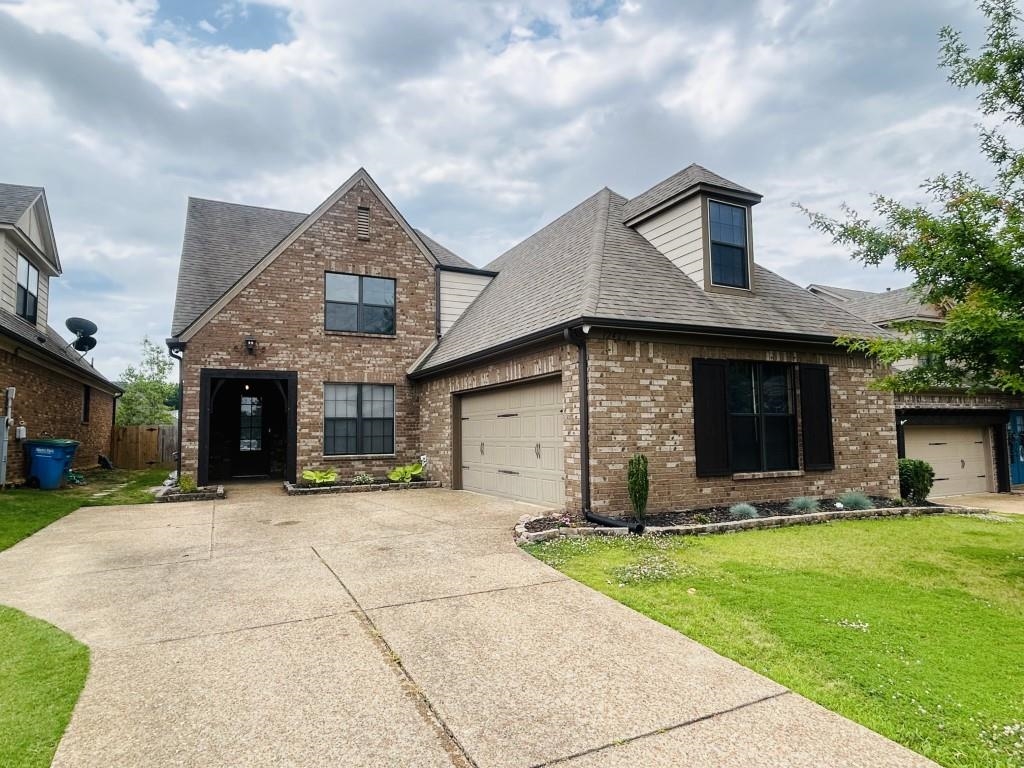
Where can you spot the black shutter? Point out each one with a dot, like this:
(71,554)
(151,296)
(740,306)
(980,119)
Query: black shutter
(711,417)
(816,417)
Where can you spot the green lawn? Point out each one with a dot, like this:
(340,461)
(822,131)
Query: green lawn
(23,511)
(42,670)
(913,627)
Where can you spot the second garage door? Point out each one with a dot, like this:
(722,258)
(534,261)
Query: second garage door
(512,442)
(959,456)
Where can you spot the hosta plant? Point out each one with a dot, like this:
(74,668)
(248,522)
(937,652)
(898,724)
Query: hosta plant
(405,473)
(320,476)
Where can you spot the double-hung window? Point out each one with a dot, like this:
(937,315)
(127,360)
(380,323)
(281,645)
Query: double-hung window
(729,256)
(359,419)
(745,417)
(359,303)
(762,417)
(28,289)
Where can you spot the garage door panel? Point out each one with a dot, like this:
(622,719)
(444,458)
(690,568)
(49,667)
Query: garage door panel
(521,429)
(958,454)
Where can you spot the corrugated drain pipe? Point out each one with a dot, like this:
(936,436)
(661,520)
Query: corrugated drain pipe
(578,336)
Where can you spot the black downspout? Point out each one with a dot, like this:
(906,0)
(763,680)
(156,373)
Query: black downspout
(437,300)
(181,399)
(578,337)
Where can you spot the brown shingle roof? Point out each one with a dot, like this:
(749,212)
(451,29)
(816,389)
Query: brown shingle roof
(588,265)
(690,177)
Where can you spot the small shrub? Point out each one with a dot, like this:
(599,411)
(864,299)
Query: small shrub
(363,478)
(639,485)
(855,500)
(405,473)
(803,505)
(319,476)
(742,512)
(702,519)
(916,479)
(187,483)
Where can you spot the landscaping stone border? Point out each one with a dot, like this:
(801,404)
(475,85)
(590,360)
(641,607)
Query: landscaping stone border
(170,493)
(297,490)
(523,536)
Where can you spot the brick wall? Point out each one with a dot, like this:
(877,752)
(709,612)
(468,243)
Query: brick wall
(436,406)
(955,401)
(284,309)
(49,404)
(641,400)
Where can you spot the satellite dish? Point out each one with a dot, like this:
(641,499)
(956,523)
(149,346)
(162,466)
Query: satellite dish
(84,343)
(81,327)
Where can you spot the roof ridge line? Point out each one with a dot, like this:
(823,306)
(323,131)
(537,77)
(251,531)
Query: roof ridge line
(592,276)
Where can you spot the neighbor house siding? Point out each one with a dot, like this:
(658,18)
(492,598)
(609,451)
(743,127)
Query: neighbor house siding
(8,273)
(641,401)
(458,290)
(283,308)
(437,395)
(49,404)
(679,234)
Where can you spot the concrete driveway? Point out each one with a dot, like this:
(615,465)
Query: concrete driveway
(386,629)
(996,502)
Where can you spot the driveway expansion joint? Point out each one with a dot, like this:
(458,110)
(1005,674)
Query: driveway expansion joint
(456,751)
(466,594)
(660,731)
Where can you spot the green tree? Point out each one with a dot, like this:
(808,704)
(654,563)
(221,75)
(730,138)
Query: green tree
(965,246)
(146,389)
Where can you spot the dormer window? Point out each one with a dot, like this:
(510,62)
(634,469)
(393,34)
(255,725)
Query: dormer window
(28,290)
(729,248)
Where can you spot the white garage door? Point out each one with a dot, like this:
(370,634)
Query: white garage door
(959,456)
(512,442)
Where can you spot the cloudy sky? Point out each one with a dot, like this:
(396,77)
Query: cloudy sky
(481,120)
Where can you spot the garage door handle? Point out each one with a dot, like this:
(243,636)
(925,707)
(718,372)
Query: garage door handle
(507,472)
(536,450)
(481,449)
(963,464)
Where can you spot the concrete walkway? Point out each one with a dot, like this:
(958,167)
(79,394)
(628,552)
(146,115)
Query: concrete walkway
(384,629)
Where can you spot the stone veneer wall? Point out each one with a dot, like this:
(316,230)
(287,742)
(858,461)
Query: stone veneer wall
(283,308)
(436,395)
(50,402)
(641,400)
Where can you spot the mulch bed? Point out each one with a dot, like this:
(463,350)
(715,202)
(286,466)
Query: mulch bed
(708,514)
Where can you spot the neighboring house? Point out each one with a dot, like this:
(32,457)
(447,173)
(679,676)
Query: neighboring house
(345,338)
(57,393)
(975,443)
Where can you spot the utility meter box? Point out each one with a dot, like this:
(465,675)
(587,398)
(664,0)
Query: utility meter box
(20,433)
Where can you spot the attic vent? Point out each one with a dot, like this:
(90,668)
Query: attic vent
(363,223)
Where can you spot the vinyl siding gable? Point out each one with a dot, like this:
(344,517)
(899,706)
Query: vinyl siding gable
(458,291)
(679,234)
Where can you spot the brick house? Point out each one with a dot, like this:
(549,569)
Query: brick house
(56,392)
(345,338)
(975,442)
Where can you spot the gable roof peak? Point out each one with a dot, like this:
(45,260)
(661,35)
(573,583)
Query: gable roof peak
(684,183)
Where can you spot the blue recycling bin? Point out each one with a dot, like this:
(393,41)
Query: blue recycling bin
(48,460)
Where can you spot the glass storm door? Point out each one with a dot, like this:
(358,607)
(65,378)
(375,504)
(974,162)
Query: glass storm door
(252,458)
(1015,433)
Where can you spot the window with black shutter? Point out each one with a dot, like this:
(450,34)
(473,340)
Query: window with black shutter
(745,417)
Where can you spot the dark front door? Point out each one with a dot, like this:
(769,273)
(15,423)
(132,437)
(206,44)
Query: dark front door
(1015,438)
(247,424)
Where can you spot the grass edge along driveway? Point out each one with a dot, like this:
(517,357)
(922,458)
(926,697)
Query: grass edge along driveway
(42,669)
(912,627)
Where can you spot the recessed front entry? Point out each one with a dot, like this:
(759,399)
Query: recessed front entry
(247,425)
(511,442)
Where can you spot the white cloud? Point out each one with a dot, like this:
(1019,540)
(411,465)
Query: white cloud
(482,121)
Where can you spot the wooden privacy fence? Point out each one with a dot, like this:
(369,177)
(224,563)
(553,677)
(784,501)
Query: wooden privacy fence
(141,446)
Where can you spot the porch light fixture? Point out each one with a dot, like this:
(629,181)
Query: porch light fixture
(250,345)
